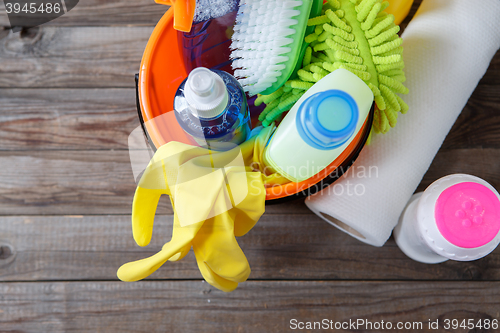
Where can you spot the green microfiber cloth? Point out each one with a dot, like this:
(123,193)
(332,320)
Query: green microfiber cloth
(356,35)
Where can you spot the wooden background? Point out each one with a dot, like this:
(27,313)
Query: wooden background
(67,106)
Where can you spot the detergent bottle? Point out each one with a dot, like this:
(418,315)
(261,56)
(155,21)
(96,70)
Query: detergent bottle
(210,105)
(456,218)
(320,126)
(207,43)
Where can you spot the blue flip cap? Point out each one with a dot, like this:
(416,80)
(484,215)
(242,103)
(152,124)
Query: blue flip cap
(327,119)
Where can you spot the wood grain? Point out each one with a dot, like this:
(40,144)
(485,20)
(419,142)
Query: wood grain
(478,126)
(58,182)
(66,119)
(72,57)
(483,163)
(280,246)
(101,182)
(193,306)
(65,182)
(104,13)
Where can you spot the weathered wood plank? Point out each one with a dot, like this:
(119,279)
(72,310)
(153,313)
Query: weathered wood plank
(101,182)
(86,119)
(67,119)
(478,126)
(114,12)
(495,63)
(189,306)
(75,182)
(291,246)
(65,182)
(56,57)
(483,163)
(104,13)
(76,57)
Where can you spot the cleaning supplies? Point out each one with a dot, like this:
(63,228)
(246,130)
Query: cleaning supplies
(439,45)
(457,218)
(358,36)
(319,126)
(211,106)
(268,41)
(215,195)
(157,92)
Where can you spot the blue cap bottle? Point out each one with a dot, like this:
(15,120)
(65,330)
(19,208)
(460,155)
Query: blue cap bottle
(320,126)
(211,106)
(327,119)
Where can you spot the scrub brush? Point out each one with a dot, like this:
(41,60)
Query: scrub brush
(268,41)
(356,35)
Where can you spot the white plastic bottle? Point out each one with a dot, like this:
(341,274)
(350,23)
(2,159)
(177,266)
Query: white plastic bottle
(319,126)
(457,218)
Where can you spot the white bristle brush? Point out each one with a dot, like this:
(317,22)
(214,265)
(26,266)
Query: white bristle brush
(268,41)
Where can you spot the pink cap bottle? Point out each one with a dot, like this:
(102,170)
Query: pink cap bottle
(457,217)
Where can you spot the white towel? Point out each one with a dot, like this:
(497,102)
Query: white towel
(447,49)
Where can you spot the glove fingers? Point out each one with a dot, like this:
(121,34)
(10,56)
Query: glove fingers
(143,214)
(181,254)
(182,236)
(152,185)
(252,208)
(140,269)
(229,263)
(216,246)
(214,279)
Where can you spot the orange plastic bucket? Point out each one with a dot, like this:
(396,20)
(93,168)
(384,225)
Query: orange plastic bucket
(162,71)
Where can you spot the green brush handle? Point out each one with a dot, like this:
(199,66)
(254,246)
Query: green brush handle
(296,55)
(315,11)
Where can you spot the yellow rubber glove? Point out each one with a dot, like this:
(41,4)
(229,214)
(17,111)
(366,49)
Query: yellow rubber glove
(253,153)
(215,198)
